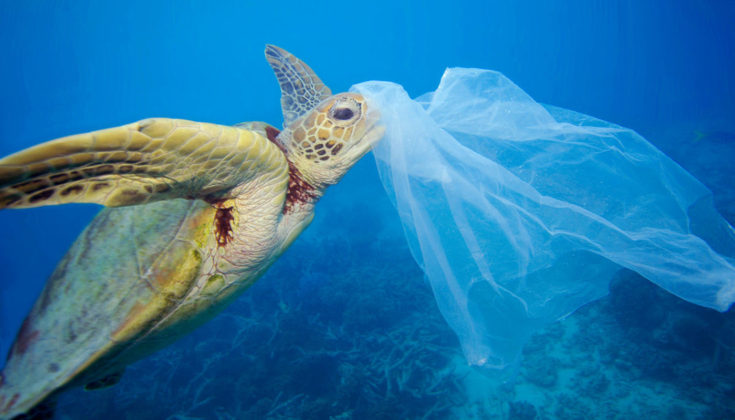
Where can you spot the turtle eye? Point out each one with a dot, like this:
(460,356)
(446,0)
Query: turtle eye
(345,110)
(343,114)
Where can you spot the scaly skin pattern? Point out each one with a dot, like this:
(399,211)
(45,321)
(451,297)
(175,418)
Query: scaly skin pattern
(107,306)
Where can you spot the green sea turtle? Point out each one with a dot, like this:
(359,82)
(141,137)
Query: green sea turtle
(196,213)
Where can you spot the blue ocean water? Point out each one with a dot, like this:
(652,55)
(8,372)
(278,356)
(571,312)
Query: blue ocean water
(343,325)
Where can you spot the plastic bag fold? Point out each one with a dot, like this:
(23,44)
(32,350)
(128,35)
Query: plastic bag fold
(520,213)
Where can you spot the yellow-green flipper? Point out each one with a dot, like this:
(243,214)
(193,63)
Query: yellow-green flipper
(150,160)
(301,89)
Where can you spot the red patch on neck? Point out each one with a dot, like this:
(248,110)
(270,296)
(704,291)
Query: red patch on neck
(272,133)
(25,337)
(299,191)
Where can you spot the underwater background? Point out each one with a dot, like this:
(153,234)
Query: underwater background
(344,325)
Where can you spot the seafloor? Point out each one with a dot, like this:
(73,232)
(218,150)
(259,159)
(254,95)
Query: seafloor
(345,327)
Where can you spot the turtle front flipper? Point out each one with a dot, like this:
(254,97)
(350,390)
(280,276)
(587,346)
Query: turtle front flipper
(301,88)
(146,161)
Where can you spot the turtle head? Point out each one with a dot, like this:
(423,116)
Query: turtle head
(326,142)
(324,135)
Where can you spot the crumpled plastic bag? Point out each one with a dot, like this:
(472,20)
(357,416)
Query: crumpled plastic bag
(520,213)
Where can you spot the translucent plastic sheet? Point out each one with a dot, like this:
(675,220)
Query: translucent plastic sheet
(521,213)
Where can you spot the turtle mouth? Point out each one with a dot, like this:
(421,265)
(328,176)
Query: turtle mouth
(374,134)
(375,131)
(360,148)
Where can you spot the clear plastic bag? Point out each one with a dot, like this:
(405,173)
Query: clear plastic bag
(520,213)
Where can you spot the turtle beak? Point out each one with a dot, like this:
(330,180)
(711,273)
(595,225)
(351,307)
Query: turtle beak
(373,135)
(375,130)
(361,147)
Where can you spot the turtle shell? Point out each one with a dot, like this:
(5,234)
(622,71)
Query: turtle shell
(108,299)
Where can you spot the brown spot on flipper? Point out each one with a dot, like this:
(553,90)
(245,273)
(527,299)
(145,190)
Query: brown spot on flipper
(74,189)
(29,187)
(9,200)
(26,336)
(125,169)
(43,195)
(11,403)
(74,176)
(100,185)
(99,170)
(223,219)
(59,178)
